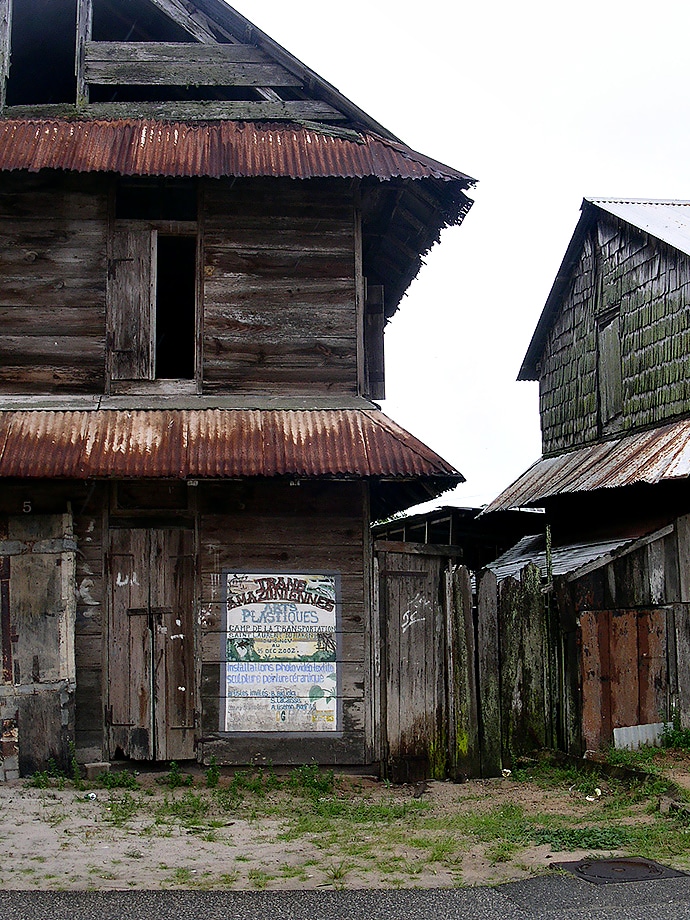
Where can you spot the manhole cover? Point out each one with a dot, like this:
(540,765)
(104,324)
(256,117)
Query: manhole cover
(604,871)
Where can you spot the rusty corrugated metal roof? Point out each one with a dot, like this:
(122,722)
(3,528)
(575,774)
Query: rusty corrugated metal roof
(213,443)
(142,147)
(650,457)
(564,559)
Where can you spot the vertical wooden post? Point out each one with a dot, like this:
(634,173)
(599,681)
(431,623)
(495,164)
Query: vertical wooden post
(359,301)
(489,676)
(5,47)
(84,30)
(463,734)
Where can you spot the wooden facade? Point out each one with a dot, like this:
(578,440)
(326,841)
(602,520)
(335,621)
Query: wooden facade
(193,224)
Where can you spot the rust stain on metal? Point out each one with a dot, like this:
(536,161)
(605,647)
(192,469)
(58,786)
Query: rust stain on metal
(141,147)
(215,443)
(648,457)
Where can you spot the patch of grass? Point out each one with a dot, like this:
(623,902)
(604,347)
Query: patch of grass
(190,808)
(259,878)
(310,780)
(608,837)
(336,873)
(122,779)
(175,778)
(212,773)
(119,811)
(674,735)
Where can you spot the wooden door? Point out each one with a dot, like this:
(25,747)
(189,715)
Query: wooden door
(413,634)
(152,688)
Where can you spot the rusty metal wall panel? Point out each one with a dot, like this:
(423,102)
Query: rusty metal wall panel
(141,147)
(647,457)
(596,698)
(212,443)
(653,666)
(624,681)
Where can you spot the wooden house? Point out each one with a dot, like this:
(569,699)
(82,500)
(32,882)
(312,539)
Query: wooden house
(605,595)
(200,243)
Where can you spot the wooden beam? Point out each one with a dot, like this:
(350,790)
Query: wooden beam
(178,71)
(5,47)
(173,53)
(299,111)
(359,306)
(84,30)
(192,24)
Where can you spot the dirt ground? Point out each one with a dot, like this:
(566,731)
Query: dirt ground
(154,837)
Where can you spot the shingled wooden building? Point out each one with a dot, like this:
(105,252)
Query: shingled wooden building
(200,243)
(600,608)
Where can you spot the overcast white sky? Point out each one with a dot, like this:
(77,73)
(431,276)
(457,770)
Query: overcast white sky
(544,102)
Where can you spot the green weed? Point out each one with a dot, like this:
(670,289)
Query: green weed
(674,735)
(122,779)
(212,773)
(120,810)
(176,778)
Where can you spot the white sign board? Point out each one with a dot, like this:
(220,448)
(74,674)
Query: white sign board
(280,669)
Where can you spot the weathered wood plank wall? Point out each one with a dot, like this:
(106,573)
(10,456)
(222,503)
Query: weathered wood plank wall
(278,528)
(279,288)
(52,283)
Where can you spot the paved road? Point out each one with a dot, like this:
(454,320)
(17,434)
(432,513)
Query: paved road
(550,898)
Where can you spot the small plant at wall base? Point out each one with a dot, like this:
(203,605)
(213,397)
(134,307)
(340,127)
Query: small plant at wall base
(212,773)
(674,735)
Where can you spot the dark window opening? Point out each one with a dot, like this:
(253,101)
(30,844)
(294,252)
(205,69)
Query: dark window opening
(175,307)
(124,93)
(43,52)
(134,21)
(156,200)
(148,496)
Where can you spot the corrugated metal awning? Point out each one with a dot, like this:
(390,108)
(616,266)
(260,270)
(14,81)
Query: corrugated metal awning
(564,559)
(659,455)
(215,444)
(143,147)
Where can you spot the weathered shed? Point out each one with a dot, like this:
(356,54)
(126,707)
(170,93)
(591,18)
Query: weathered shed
(607,589)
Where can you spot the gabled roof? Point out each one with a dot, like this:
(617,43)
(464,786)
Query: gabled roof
(649,457)
(666,220)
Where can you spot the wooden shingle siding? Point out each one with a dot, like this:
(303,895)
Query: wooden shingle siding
(279,289)
(52,284)
(568,403)
(309,528)
(648,283)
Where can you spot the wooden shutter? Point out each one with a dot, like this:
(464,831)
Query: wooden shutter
(131,301)
(610,370)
